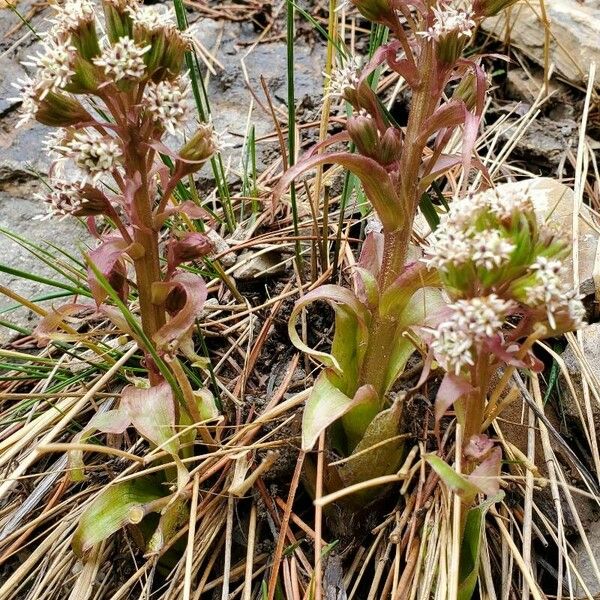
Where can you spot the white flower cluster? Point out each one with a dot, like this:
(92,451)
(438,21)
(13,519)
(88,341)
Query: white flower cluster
(71,15)
(504,205)
(95,154)
(28,97)
(64,200)
(344,78)
(449,20)
(54,71)
(453,247)
(123,60)
(168,103)
(470,321)
(554,291)
(54,66)
(152,18)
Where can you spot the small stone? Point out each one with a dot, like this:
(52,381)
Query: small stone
(253,266)
(220,246)
(545,141)
(527,86)
(590,348)
(574,40)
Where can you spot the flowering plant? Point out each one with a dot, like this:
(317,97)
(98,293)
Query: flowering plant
(396,166)
(113,97)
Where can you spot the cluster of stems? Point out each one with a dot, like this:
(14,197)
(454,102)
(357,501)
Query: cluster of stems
(114,89)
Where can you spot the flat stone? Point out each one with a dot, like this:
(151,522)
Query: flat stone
(254,266)
(527,86)
(545,141)
(16,215)
(575,28)
(590,347)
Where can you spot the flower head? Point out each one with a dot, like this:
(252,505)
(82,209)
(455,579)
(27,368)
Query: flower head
(490,249)
(470,322)
(54,66)
(450,20)
(551,291)
(345,79)
(450,247)
(28,97)
(123,60)
(64,200)
(72,15)
(167,103)
(152,18)
(95,154)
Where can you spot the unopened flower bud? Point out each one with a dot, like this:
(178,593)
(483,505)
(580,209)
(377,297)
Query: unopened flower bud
(118,19)
(86,79)
(378,11)
(390,146)
(466,91)
(201,146)
(364,133)
(189,247)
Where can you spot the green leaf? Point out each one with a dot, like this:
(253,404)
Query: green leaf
(470,548)
(367,461)
(326,404)
(352,318)
(423,303)
(429,212)
(111,421)
(123,503)
(455,481)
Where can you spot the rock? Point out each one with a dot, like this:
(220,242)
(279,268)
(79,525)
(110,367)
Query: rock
(220,246)
(591,351)
(16,215)
(575,31)
(584,564)
(527,86)
(545,140)
(252,265)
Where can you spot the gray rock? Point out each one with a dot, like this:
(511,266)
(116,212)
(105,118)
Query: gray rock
(252,265)
(527,86)
(584,563)
(16,215)
(575,28)
(545,141)
(590,346)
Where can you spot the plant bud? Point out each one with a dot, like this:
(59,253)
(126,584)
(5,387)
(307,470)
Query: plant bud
(490,8)
(466,91)
(86,78)
(201,146)
(85,39)
(390,146)
(189,247)
(60,110)
(364,133)
(378,11)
